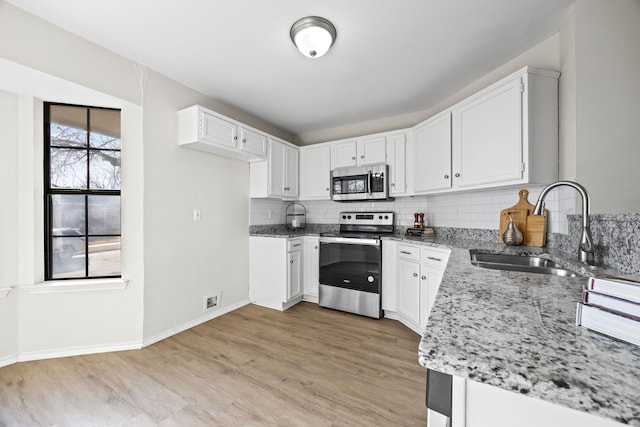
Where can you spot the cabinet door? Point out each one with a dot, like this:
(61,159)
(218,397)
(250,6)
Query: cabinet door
(294,279)
(343,154)
(312,266)
(389,275)
(372,150)
(432,155)
(396,158)
(218,131)
(408,302)
(276,169)
(487,137)
(253,142)
(290,172)
(316,173)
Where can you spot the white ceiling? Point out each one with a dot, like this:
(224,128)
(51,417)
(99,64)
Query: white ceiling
(391,57)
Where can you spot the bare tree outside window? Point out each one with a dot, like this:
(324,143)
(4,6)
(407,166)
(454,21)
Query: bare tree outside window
(83,159)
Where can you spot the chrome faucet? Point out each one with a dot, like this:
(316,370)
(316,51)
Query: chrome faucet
(585,249)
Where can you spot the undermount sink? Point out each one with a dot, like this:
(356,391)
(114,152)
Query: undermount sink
(519,262)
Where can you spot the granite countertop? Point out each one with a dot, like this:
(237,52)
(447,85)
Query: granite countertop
(517,331)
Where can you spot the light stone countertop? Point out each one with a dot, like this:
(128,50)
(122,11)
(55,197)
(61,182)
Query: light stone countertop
(517,331)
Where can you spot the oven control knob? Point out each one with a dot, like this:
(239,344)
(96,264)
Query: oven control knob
(344,217)
(348,216)
(386,217)
(380,217)
(370,279)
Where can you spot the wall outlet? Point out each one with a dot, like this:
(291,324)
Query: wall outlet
(197,215)
(211,301)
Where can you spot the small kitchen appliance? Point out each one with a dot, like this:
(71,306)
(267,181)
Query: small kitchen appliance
(360,183)
(351,261)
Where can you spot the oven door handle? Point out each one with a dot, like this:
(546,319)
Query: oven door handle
(369,183)
(350,241)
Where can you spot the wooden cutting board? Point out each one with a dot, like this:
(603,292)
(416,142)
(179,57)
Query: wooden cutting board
(532,227)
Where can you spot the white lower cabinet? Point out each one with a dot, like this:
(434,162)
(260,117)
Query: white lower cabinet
(416,274)
(311,268)
(409,301)
(275,271)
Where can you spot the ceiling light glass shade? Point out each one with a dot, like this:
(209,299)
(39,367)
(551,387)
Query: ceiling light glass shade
(313,36)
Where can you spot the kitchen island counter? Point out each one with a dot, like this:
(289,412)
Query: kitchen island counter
(517,331)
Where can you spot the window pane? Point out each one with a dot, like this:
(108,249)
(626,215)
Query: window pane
(104,215)
(68,168)
(68,126)
(105,129)
(104,170)
(104,256)
(68,258)
(67,215)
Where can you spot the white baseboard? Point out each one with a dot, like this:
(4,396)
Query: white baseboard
(134,345)
(310,298)
(78,351)
(204,318)
(8,360)
(404,320)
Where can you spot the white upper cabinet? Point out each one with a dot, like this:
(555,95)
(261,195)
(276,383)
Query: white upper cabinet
(372,150)
(206,130)
(253,142)
(315,172)
(363,151)
(506,134)
(487,136)
(344,154)
(432,154)
(277,176)
(217,130)
(397,161)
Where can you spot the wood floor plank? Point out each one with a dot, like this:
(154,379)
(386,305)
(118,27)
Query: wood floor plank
(306,366)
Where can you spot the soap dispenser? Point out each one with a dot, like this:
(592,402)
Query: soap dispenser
(512,236)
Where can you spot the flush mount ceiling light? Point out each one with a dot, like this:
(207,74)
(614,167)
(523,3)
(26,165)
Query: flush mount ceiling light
(313,36)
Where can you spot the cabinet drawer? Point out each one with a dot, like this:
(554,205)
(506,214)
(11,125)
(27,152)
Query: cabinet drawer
(436,258)
(410,253)
(294,244)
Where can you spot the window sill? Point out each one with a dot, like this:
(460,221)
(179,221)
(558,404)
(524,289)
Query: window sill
(80,285)
(4,292)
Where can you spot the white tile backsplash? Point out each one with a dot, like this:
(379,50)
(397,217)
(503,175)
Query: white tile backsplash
(477,209)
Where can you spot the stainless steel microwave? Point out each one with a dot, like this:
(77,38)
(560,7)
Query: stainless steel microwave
(360,183)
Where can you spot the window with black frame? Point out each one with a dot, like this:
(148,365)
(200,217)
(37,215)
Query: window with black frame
(82,192)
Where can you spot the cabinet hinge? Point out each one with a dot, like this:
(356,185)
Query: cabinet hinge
(522,167)
(521,86)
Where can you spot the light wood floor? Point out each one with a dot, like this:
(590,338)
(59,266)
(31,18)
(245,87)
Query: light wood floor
(307,366)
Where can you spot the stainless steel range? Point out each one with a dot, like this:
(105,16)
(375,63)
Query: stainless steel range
(351,263)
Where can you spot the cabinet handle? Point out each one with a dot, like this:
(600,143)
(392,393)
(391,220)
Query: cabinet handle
(291,262)
(244,140)
(446,177)
(434,259)
(362,157)
(424,277)
(458,175)
(393,184)
(235,138)
(326,189)
(296,245)
(405,252)
(415,274)
(315,247)
(286,189)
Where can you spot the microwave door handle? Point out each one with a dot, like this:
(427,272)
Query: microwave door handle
(369,183)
